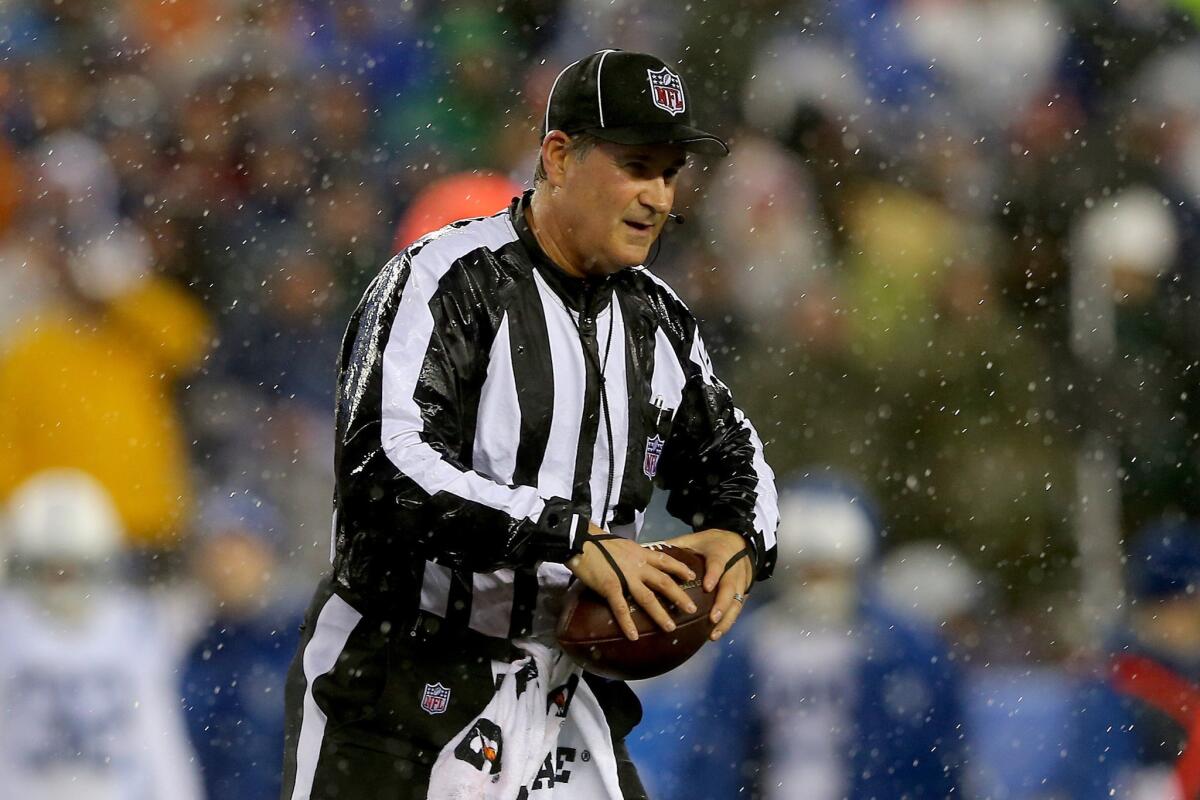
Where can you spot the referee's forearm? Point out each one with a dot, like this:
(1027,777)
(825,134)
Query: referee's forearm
(457,530)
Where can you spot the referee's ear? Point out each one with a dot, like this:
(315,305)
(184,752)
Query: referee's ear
(554,154)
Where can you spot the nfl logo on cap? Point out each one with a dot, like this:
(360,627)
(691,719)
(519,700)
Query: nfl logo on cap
(666,90)
(626,98)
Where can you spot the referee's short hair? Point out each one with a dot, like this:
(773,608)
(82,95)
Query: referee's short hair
(579,145)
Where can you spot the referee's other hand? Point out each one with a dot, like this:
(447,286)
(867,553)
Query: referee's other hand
(730,580)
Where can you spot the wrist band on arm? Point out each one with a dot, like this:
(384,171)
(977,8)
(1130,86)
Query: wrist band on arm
(745,552)
(595,539)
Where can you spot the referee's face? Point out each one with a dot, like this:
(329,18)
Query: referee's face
(617,197)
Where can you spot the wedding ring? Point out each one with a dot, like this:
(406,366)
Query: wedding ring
(741,598)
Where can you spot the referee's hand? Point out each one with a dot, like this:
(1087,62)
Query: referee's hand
(648,573)
(733,584)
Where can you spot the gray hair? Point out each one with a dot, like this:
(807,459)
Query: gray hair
(578,146)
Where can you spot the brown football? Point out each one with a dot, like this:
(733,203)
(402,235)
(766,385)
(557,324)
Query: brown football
(588,632)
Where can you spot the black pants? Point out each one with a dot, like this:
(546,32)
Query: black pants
(363,729)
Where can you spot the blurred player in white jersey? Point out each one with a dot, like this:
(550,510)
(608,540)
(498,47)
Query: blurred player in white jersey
(89,703)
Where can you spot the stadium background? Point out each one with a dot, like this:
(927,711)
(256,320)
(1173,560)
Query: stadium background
(893,268)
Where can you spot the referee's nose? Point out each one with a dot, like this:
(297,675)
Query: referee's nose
(658,195)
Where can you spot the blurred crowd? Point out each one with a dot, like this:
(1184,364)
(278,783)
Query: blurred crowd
(947,271)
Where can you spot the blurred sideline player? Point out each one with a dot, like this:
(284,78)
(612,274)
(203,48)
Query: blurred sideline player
(1141,728)
(233,679)
(825,694)
(88,698)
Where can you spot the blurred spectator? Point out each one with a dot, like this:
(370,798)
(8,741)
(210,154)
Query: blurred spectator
(638,25)
(824,692)
(461,196)
(347,221)
(263,338)
(901,242)
(87,669)
(451,120)
(11,186)
(89,382)
(1123,250)
(816,397)
(995,56)
(26,285)
(233,680)
(58,94)
(77,185)
(181,39)
(1140,738)
(762,214)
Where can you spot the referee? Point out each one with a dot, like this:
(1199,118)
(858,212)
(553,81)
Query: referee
(511,389)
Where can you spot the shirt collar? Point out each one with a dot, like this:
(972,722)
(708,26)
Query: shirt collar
(573,291)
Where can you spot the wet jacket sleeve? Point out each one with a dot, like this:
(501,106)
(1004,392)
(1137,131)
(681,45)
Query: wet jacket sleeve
(411,355)
(713,464)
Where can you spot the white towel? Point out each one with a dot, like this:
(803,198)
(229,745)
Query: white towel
(500,752)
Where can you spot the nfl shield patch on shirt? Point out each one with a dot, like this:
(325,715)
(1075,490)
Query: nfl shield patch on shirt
(435,699)
(654,446)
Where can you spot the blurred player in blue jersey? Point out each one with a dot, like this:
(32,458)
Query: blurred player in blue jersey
(824,694)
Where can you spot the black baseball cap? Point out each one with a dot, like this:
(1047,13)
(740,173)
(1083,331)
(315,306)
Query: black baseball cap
(627,98)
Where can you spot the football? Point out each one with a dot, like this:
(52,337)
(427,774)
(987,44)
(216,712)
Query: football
(588,632)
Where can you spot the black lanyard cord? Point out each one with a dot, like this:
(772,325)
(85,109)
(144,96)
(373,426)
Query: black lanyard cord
(600,368)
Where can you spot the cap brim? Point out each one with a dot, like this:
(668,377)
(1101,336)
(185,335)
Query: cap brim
(691,139)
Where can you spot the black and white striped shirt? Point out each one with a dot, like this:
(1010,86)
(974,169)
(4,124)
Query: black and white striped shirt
(489,406)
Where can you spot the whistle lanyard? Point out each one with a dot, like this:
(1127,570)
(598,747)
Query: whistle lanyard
(600,368)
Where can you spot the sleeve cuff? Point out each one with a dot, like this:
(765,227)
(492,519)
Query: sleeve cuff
(558,533)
